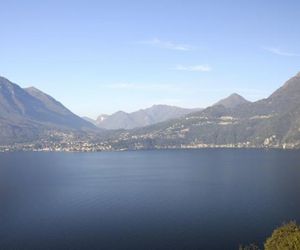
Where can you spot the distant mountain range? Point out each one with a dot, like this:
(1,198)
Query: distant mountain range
(140,118)
(25,114)
(232,122)
(31,116)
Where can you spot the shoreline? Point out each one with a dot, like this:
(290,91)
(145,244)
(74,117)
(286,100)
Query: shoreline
(5,149)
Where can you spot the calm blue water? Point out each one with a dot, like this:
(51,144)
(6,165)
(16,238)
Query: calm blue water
(180,199)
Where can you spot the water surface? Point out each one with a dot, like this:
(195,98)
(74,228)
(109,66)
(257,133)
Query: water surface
(176,199)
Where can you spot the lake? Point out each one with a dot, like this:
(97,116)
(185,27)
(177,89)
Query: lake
(169,199)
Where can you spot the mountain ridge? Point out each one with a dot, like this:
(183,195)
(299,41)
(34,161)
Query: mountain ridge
(141,118)
(232,101)
(31,111)
(270,122)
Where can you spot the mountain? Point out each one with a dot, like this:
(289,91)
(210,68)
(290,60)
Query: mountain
(90,120)
(141,118)
(26,113)
(232,101)
(51,111)
(270,122)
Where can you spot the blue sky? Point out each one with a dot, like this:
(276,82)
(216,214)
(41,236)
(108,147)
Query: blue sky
(103,56)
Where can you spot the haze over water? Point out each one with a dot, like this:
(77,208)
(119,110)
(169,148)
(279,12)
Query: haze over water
(177,199)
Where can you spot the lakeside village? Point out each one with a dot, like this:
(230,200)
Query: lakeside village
(120,145)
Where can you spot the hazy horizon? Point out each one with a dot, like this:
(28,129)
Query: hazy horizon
(101,57)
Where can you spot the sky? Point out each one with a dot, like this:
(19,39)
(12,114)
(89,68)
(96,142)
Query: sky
(98,57)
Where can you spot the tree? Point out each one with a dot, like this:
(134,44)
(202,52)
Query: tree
(286,237)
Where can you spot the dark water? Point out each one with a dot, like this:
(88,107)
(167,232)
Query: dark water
(197,199)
